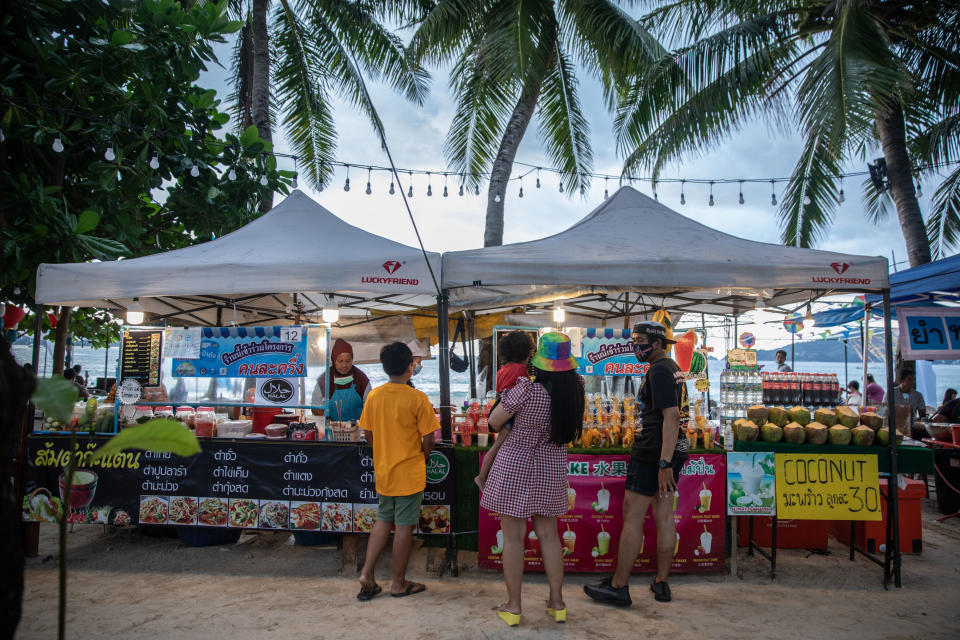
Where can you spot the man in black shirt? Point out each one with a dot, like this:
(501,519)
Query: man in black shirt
(656,458)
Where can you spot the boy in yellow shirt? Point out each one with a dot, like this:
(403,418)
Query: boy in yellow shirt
(399,424)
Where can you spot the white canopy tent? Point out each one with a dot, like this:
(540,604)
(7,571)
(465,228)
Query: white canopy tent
(252,274)
(632,243)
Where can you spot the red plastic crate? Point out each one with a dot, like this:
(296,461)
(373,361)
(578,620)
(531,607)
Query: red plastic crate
(870,535)
(791,534)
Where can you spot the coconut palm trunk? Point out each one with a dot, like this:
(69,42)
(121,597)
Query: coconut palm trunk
(894,142)
(503,164)
(261,79)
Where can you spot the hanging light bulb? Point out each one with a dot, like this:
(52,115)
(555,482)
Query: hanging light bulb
(741,192)
(461,189)
(476,190)
(295,183)
(369,190)
(109,155)
(606,192)
(521,188)
(583,189)
(497,198)
(263,180)
(773,193)
(410,191)
(559,314)
(683,196)
(807,201)
(808,317)
(711,202)
(538,177)
(346,185)
(760,304)
(154,162)
(429,185)
(57,144)
(331,311)
(919,190)
(561,186)
(445,192)
(195,170)
(392,190)
(232,174)
(135,312)
(656,196)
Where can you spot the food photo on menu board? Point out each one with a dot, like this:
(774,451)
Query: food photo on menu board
(274,514)
(212,512)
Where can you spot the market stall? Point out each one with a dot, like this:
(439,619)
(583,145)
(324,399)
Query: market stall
(632,257)
(235,333)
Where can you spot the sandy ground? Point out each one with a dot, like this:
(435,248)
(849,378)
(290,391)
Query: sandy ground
(124,585)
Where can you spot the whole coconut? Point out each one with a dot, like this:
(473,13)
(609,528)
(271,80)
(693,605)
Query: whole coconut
(847,417)
(771,433)
(748,431)
(872,420)
(862,436)
(757,414)
(816,433)
(826,417)
(839,435)
(794,433)
(778,416)
(800,415)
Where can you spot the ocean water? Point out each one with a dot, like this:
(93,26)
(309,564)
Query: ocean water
(96,361)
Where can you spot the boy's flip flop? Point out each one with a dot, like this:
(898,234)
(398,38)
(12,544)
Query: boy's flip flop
(412,588)
(367,593)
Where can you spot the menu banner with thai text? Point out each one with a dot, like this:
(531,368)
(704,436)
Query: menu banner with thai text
(590,530)
(247,352)
(929,333)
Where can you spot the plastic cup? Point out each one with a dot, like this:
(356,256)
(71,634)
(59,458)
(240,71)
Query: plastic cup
(482,439)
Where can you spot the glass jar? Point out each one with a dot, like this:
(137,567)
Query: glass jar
(165,411)
(186,415)
(205,422)
(142,413)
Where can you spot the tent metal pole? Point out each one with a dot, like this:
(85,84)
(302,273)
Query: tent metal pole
(893,514)
(703,325)
(443,335)
(473,360)
(864,333)
(793,339)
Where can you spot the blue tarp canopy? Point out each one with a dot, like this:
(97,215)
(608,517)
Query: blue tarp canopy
(929,283)
(842,315)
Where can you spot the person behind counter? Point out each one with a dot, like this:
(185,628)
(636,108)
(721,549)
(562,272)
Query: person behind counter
(418,356)
(348,388)
(71,375)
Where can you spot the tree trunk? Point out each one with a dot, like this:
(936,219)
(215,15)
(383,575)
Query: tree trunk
(893,139)
(261,79)
(503,164)
(60,345)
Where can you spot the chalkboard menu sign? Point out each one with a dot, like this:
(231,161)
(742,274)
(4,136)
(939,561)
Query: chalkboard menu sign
(140,356)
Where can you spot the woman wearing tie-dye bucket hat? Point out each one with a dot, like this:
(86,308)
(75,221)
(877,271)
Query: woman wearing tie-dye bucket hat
(529,475)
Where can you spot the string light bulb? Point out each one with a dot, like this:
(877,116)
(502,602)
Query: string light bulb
(759,304)
(58,145)
(461,189)
(295,184)
(346,185)
(369,190)
(154,162)
(808,319)
(476,190)
(429,185)
(840,198)
(606,192)
(559,314)
(711,201)
(807,201)
(263,180)
(773,193)
(538,177)
(919,190)
(683,196)
(109,155)
(135,312)
(392,190)
(195,170)
(561,186)
(521,188)
(410,190)
(740,200)
(232,174)
(331,311)
(445,192)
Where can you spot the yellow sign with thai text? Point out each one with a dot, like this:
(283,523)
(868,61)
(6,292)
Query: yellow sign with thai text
(827,487)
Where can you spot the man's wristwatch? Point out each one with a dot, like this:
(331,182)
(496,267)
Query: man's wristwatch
(664,464)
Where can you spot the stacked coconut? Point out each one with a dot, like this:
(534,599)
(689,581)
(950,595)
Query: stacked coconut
(839,426)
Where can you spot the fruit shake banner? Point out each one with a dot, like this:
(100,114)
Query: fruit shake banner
(609,352)
(751,486)
(247,352)
(229,484)
(590,530)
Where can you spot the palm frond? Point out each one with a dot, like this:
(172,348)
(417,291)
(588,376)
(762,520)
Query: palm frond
(444,31)
(877,204)
(307,118)
(563,126)
(483,106)
(811,195)
(939,142)
(943,225)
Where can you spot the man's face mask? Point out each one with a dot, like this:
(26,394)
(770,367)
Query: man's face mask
(417,369)
(642,351)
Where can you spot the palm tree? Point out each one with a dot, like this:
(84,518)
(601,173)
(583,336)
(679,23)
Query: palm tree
(513,59)
(853,75)
(290,61)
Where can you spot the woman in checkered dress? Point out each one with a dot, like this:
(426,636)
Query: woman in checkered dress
(529,475)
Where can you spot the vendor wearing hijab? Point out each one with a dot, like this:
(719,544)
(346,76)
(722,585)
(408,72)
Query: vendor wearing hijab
(348,388)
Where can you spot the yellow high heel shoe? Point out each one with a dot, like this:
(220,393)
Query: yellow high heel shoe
(559,615)
(512,619)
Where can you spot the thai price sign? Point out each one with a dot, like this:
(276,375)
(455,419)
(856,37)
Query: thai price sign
(929,333)
(590,530)
(827,487)
(247,352)
(291,485)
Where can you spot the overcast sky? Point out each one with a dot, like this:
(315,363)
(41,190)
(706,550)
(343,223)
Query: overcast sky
(416,136)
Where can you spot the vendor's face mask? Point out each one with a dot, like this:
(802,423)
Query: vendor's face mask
(642,350)
(417,369)
(342,381)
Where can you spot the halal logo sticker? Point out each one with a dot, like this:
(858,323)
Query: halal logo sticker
(438,467)
(277,390)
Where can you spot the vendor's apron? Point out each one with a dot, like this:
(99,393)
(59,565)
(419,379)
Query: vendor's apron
(350,404)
